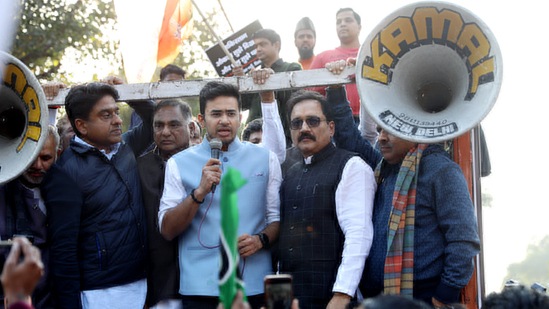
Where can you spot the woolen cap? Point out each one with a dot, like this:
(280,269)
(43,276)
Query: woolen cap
(305,24)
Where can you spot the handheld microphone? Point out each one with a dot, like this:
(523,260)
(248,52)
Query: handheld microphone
(215,145)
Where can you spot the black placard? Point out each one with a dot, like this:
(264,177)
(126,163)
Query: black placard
(241,46)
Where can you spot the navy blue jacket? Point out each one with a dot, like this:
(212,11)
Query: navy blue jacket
(96,218)
(446,237)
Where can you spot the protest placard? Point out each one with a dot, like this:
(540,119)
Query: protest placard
(241,46)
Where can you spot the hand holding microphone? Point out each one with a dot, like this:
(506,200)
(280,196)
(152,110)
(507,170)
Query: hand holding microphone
(215,146)
(211,172)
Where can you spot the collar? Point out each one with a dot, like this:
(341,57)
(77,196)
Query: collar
(27,191)
(233,147)
(306,63)
(156,153)
(431,149)
(321,155)
(346,49)
(81,146)
(277,64)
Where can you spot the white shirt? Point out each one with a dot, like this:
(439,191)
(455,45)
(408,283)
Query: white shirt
(174,191)
(38,196)
(114,148)
(273,137)
(354,199)
(131,295)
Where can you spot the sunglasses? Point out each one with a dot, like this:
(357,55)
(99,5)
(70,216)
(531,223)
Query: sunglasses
(312,122)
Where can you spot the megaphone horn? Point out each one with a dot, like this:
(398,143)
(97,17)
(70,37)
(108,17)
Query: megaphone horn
(429,72)
(23,117)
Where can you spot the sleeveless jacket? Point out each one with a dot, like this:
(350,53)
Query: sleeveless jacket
(311,241)
(198,252)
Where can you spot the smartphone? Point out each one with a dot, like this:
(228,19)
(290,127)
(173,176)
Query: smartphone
(5,243)
(9,242)
(278,291)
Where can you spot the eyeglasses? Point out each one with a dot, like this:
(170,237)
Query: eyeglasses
(312,122)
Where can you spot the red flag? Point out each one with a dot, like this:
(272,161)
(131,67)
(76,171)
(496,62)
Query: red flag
(176,27)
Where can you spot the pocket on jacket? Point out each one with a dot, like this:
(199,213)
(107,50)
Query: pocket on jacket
(102,252)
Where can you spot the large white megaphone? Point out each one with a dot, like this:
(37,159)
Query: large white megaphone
(23,118)
(429,72)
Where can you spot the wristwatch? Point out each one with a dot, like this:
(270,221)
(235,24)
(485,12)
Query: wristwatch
(264,240)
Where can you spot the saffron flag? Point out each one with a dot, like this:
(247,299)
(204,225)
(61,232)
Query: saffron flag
(230,280)
(150,32)
(176,27)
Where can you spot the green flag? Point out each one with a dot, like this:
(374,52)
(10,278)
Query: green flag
(230,280)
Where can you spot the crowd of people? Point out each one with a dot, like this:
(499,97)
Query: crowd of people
(132,220)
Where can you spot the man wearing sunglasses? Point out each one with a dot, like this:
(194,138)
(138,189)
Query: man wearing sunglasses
(326,210)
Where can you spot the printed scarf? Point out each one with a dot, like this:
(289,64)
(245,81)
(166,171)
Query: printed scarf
(399,262)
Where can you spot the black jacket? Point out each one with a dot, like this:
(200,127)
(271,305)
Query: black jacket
(163,267)
(96,219)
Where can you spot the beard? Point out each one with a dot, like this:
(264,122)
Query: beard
(31,181)
(305,52)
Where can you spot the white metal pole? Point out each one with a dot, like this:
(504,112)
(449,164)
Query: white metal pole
(218,39)
(191,88)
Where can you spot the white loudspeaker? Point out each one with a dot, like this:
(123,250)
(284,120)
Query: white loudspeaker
(23,118)
(429,72)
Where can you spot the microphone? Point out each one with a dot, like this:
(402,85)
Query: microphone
(215,145)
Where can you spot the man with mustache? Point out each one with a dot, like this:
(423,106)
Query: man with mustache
(190,204)
(96,218)
(426,234)
(22,210)
(326,209)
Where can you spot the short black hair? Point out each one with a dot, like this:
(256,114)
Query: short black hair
(253,126)
(303,95)
(171,69)
(357,17)
(268,34)
(393,301)
(81,99)
(516,297)
(216,89)
(182,105)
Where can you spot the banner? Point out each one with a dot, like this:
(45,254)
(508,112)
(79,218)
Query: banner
(241,46)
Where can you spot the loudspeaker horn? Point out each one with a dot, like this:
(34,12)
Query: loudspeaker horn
(429,72)
(23,117)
